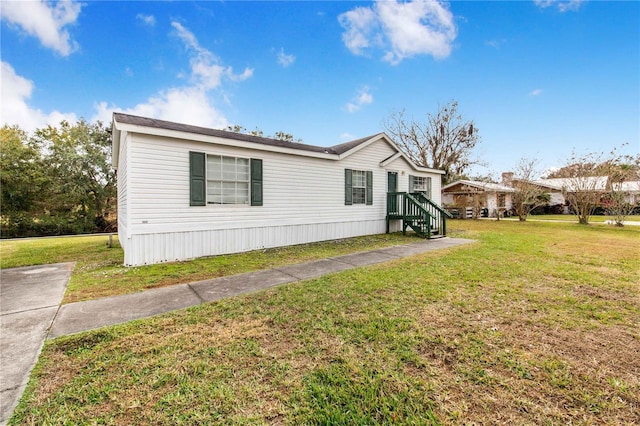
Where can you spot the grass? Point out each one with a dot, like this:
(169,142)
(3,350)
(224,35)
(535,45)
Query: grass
(537,323)
(573,218)
(99,271)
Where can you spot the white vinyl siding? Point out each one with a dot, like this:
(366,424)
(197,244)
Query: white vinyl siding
(124,196)
(303,200)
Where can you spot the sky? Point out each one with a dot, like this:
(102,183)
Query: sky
(539,78)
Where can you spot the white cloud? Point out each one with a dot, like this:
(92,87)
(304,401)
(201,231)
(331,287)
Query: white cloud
(185,105)
(562,5)
(535,92)
(361,25)
(14,108)
(45,21)
(496,44)
(205,66)
(402,30)
(284,59)
(191,104)
(362,98)
(346,136)
(148,20)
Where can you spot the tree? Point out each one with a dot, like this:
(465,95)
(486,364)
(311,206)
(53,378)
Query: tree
(526,194)
(82,180)
(21,174)
(445,141)
(279,135)
(623,181)
(57,181)
(586,179)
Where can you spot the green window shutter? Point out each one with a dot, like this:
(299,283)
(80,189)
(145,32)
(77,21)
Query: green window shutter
(369,188)
(411,183)
(429,188)
(348,183)
(256,182)
(197,181)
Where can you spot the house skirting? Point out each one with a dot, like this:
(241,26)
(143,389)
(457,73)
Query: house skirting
(146,249)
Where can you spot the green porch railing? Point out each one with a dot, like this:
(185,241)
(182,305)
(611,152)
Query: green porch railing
(417,212)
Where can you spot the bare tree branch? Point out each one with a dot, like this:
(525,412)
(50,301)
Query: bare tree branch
(444,141)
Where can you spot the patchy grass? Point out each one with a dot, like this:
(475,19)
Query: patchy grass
(537,323)
(99,271)
(573,218)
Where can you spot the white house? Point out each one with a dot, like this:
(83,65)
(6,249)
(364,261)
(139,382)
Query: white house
(477,195)
(186,191)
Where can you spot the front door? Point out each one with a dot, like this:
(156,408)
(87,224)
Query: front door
(392,186)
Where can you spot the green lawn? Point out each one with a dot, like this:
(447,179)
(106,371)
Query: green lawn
(537,323)
(572,218)
(99,271)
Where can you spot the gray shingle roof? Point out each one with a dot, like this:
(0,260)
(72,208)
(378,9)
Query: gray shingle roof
(169,125)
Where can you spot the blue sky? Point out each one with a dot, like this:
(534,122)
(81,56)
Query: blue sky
(538,78)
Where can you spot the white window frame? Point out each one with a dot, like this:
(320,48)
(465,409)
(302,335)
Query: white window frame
(423,187)
(240,195)
(361,189)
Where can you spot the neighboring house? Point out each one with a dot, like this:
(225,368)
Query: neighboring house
(557,188)
(187,191)
(473,196)
(631,189)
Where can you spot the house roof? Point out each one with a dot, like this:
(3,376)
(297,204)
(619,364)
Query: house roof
(169,125)
(630,186)
(484,186)
(133,123)
(598,183)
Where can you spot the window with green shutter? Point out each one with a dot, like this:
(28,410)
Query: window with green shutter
(358,187)
(218,179)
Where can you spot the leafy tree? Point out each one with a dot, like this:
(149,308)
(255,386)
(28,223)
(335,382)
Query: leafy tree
(82,180)
(527,195)
(444,141)
(57,181)
(21,177)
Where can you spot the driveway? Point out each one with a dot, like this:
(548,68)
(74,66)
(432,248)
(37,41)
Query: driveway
(29,301)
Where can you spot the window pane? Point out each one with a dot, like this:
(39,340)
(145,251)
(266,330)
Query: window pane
(242,192)
(243,169)
(228,168)
(214,167)
(358,195)
(359,178)
(214,192)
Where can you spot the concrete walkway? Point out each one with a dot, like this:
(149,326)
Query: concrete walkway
(31,297)
(93,314)
(29,301)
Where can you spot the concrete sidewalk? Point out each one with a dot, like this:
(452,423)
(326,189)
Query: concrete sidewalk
(93,314)
(29,301)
